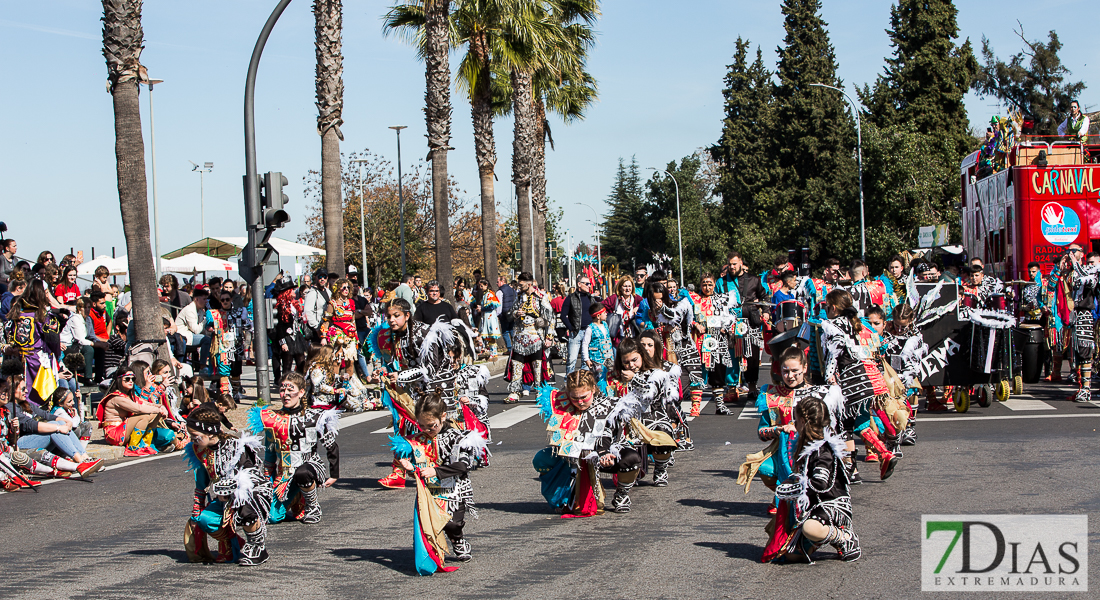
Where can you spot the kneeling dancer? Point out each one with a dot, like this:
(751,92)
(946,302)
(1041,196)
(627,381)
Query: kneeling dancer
(232,470)
(815,504)
(299,434)
(581,445)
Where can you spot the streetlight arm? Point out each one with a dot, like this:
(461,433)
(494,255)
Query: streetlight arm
(859,162)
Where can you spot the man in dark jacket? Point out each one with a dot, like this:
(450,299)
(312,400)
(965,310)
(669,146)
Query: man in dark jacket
(507,295)
(574,313)
(737,276)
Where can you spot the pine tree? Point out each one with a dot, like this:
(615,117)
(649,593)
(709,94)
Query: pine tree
(928,75)
(741,152)
(816,199)
(1032,81)
(622,237)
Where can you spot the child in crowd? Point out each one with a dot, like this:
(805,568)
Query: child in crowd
(596,346)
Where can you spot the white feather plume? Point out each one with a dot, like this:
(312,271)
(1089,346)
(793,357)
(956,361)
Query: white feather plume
(475,443)
(328,421)
(440,337)
(244,488)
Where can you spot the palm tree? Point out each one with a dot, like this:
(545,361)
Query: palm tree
(123,41)
(437,116)
(563,86)
(329,25)
(493,32)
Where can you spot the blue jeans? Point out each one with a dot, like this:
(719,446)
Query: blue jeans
(62,444)
(203,342)
(576,338)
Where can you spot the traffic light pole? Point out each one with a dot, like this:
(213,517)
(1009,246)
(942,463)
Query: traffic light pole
(253,214)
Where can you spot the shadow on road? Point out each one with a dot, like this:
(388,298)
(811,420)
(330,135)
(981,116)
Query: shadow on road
(517,508)
(750,552)
(726,473)
(723,509)
(398,560)
(179,556)
(358,484)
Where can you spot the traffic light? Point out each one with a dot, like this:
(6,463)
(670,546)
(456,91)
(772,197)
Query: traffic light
(273,200)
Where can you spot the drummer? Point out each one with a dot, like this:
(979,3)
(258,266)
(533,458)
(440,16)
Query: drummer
(787,292)
(986,288)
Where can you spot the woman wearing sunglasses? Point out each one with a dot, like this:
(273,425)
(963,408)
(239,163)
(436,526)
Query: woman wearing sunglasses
(127,420)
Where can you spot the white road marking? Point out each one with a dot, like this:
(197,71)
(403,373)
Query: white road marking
(512,416)
(685,407)
(1008,417)
(1025,402)
(749,412)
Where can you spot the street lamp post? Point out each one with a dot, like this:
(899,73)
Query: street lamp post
(679,233)
(362,227)
(202,171)
(400,197)
(153,157)
(859,160)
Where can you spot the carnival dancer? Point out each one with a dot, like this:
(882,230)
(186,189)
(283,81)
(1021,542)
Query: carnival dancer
(35,333)
(815,504)
(229,470)
(776,405)
(339,326)
(532,336)
(288,343)
(467,399)
(296,434)
(488,322)
(713,328)
(650,408)
(596,350)
(746,293)
(332,389)
(893,279)
(583,444)
(902,347)
(440,456)
(414,361)
(849,363)
(1080,281)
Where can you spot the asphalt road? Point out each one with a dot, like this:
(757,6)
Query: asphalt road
(701,537)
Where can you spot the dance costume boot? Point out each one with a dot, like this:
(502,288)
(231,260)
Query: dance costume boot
(254,551)
(696,402)
(461,549)
(312,513)
(660,473)
(720,407)
(887,458)
(845,542)
(621,502)
(395,480)
(1084,387)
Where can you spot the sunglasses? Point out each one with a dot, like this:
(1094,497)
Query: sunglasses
(128,378)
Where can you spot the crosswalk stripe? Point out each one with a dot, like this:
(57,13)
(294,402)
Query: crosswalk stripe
(685,407)
(363,417)
(749,412)
(1026,403)
(512,416)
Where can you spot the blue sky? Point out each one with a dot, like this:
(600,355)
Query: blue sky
(659,65)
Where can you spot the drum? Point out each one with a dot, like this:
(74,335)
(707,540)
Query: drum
(970,301)
(792,310)
(996,302)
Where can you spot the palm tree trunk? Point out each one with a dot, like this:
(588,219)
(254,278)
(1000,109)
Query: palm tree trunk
(123,40)
(328,27)
(523,111)
(437,113)
(538,190)
(485,150)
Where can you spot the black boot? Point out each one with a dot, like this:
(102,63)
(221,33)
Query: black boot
(254,551)
(312,513)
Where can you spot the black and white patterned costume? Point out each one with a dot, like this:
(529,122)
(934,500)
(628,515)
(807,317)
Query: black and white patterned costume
(1086,280)
(533,316)
(849,362)
(820,489)
(678,319)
